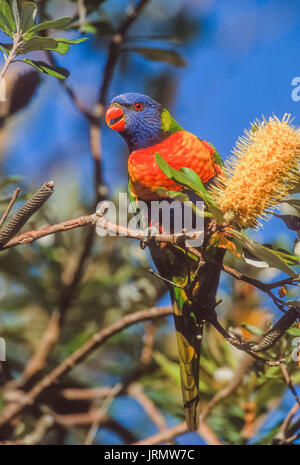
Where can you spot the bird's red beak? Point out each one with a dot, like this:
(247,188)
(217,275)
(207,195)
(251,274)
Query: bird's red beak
(115,118)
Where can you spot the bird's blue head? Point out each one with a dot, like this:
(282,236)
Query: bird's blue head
(139,119)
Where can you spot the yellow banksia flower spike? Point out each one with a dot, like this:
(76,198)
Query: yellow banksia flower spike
(262,171)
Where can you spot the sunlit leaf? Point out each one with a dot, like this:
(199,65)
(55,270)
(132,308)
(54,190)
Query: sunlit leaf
(6,12)
(63,45)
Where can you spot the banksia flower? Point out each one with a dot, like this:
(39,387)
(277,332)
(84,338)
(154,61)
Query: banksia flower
(261,172)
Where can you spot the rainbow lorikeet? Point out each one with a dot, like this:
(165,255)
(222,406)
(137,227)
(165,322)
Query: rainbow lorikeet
(148,128)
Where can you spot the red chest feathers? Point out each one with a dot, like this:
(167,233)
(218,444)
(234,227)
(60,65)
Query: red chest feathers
(179,150)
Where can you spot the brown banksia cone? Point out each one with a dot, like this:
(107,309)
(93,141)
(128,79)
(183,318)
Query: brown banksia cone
(263,169)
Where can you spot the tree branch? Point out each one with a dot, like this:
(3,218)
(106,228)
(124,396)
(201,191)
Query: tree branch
(78,356)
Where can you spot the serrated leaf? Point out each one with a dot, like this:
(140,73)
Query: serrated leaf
(7,13)
(60,23)
(27,16)
(158,54)
(56,71)
(264,254)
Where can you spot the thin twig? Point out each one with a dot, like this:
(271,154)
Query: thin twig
(79,355)
(289,383)
(282,434)
(136,391)
(177,430)
(10,205)
(95,118)
(101,414)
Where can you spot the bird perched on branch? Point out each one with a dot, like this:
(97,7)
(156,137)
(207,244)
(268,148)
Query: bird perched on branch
(148,129)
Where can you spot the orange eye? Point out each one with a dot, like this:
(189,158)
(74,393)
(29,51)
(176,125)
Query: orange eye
(138,106)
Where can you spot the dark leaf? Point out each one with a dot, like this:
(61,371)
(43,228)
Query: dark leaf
(16,14)
(291,221)
(253,329)
(28,14)
(157,54)
(265,254)
(38,43)
(60,23)
(23,91)
(56,71)
(6,48)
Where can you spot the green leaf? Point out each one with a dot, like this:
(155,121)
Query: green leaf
(158,54)
(7,13)
(60,23)
(186,177)
(63,45)
(16,14)
(28,14)
(181,177)
(5,48)
(56,71)
(253,329)
(180,196)
(293,331)
(171,369)
(194,178)
(38,43)
(265,254)
(48,43)
(9,180)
